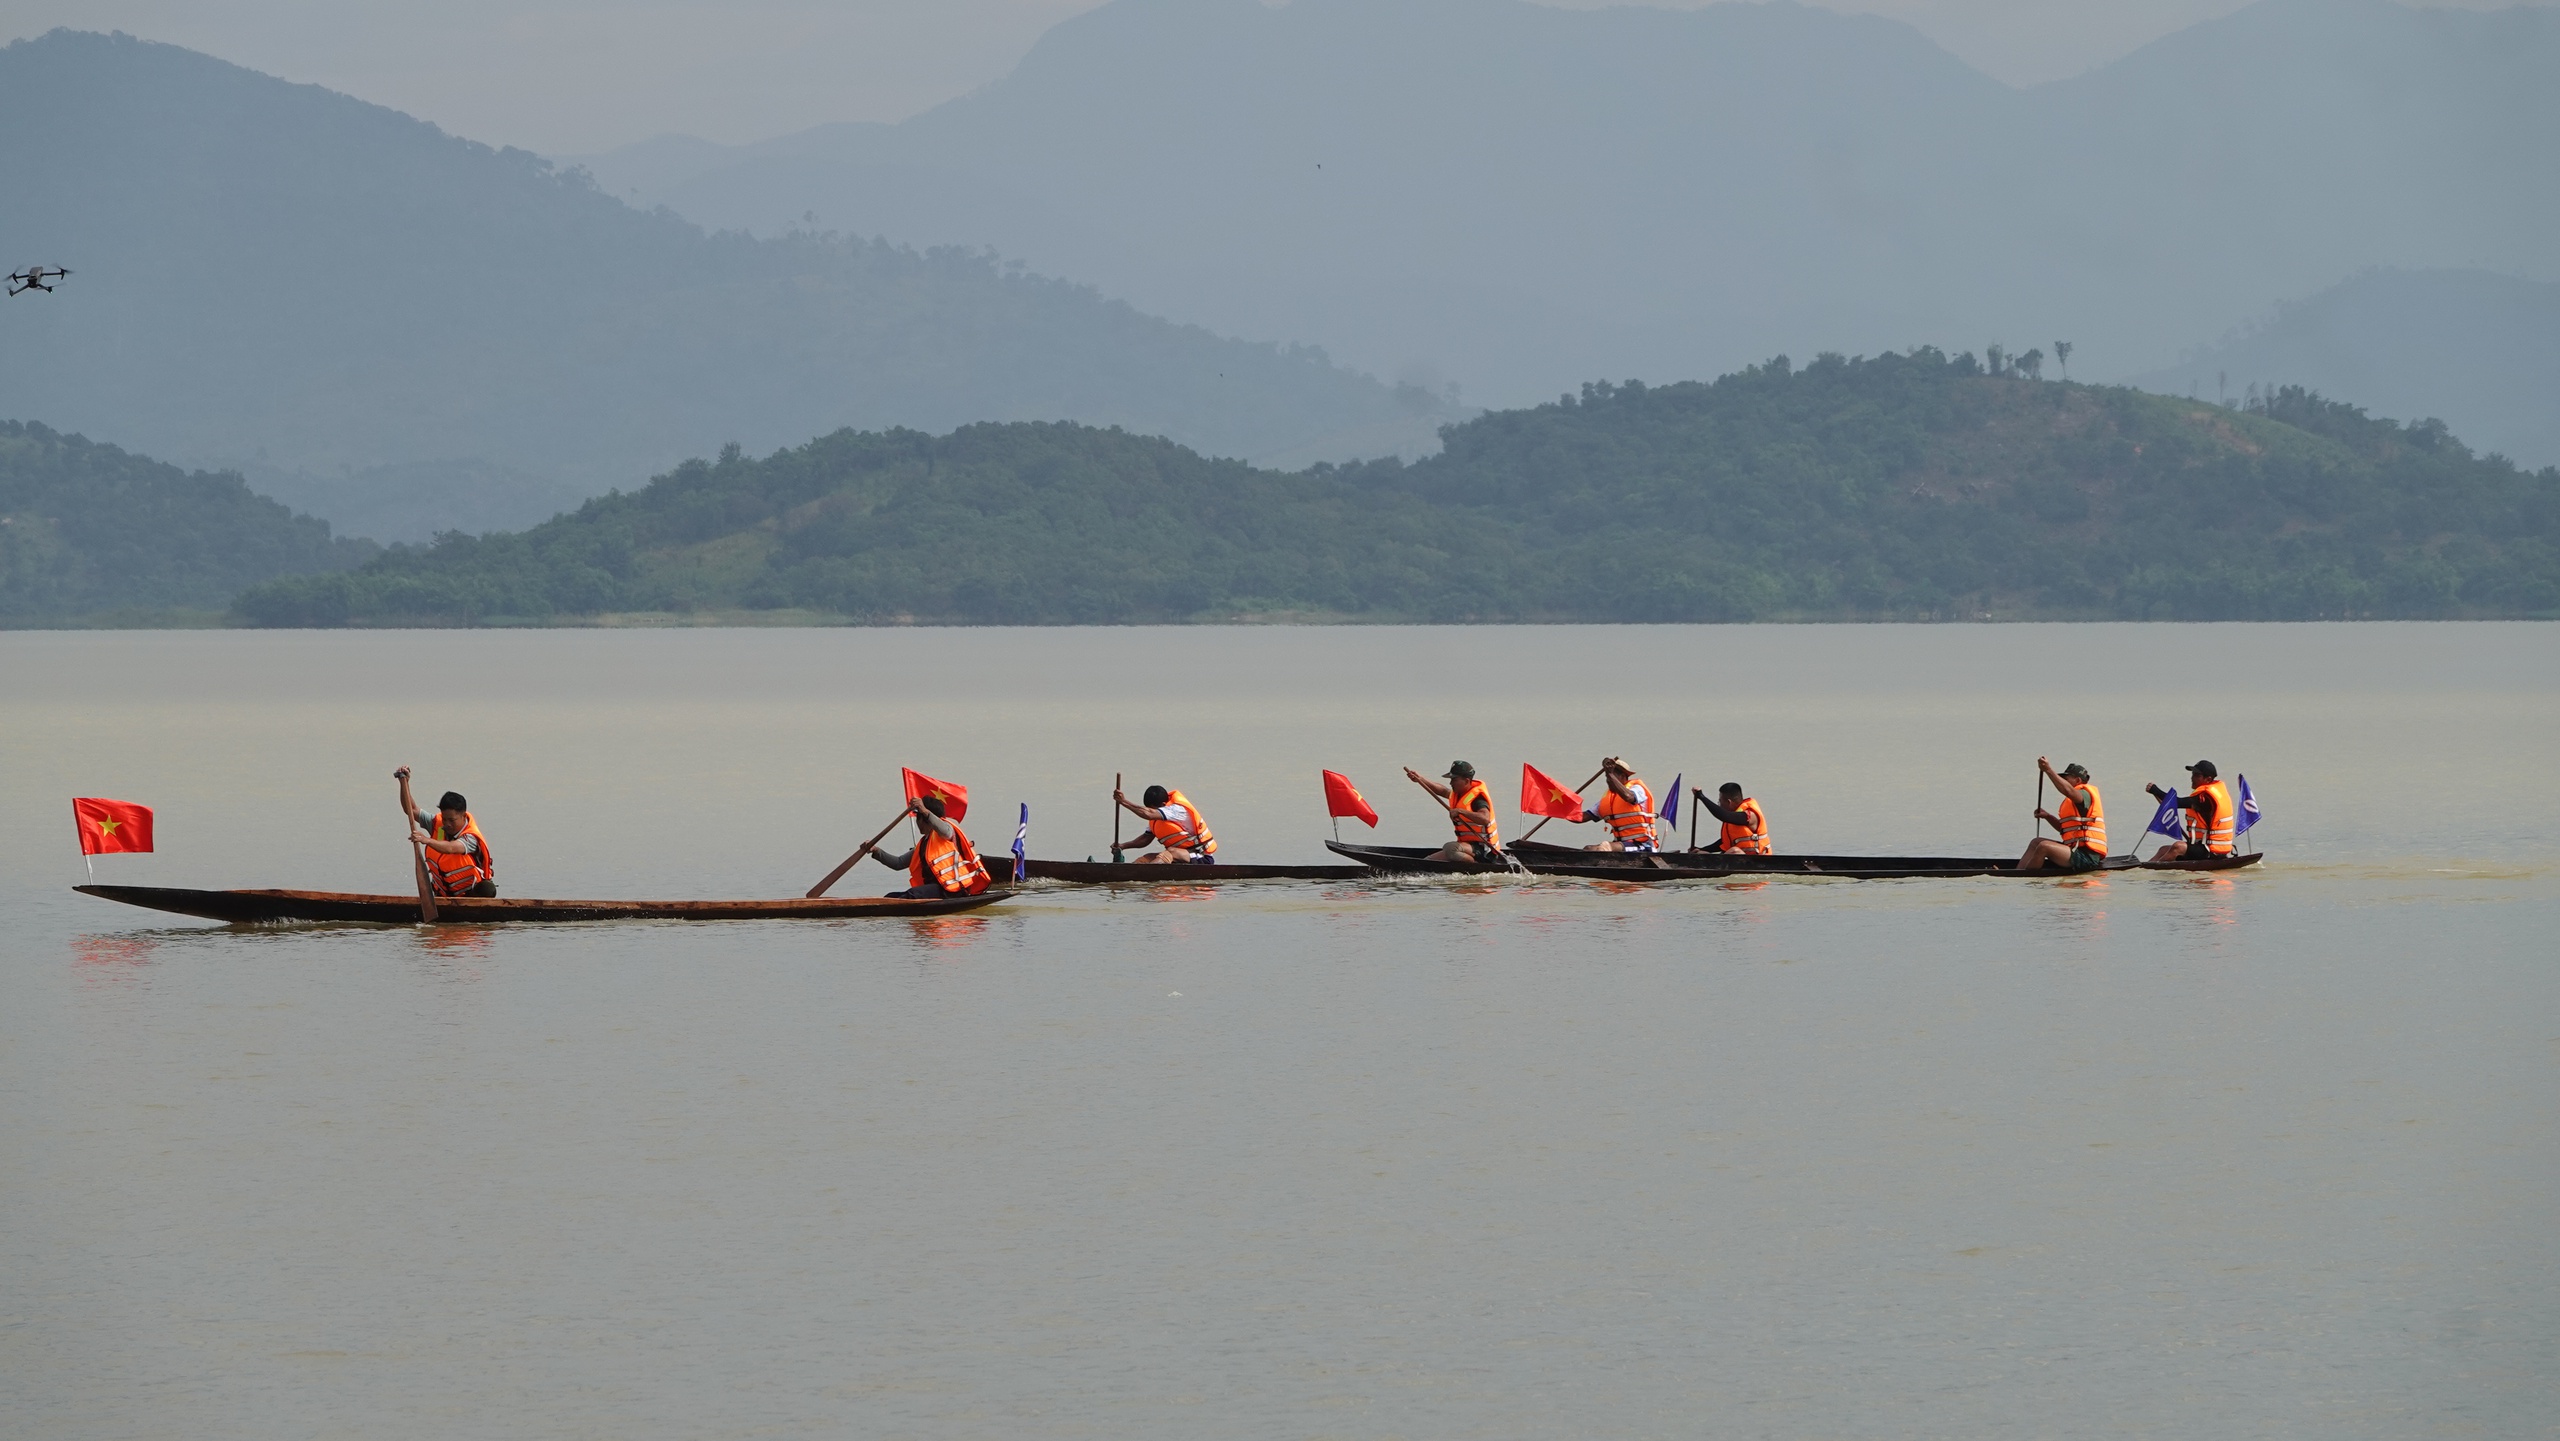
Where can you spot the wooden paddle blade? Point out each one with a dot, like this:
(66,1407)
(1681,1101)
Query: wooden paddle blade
(837,874)
(426,892)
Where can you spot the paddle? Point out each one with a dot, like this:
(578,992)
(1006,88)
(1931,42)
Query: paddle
(426,893)
(1118,786)
(1577,790)
(837,874)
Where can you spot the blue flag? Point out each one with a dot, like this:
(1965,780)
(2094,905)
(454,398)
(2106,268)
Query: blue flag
(2248,809)
(1021,835)
(1671,801)
(2166,821)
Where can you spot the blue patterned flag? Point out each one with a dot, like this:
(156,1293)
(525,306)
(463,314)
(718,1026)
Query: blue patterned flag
(1021,836)
(2166,821)
(2248,808)
(1671,801)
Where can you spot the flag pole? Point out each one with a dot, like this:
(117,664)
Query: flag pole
(1577,790)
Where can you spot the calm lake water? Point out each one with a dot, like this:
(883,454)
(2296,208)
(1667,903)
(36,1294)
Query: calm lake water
(2266,1154)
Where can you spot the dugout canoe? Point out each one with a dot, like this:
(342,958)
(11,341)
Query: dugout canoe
(1545,860)
(1541,857)
(251,907)
(1103,873)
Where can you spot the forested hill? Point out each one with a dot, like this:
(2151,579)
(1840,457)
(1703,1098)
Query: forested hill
(1902,486)
(277,276)
(90,531)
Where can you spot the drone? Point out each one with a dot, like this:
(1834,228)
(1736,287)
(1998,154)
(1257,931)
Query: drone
(34,278)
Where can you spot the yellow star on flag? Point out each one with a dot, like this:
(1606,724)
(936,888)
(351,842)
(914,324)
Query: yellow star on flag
(106,827)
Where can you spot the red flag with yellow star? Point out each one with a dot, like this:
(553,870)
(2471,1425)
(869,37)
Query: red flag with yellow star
(1540,795)
(110,826)
(955,799)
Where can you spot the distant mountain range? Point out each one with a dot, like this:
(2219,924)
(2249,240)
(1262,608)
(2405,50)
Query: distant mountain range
(2479,351)
(1518,197)
(1918,486)
(409,332)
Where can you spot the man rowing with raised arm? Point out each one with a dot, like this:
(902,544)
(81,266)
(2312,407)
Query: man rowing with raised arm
(458,858)
(941,862)
(1174,823)
(2082,821)
(1627,806)
(1746,830)
(2211,820)
(1470,806)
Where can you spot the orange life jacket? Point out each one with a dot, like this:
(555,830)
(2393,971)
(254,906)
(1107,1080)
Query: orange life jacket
(1630,822)
(454,874)
(2089,831)
(954,863)
(1750,840)
(1172,836)
(2216,835)
(1475,827)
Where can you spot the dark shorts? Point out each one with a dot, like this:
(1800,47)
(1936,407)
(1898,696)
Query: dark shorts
(2085,859)
(485,891)
(926,892)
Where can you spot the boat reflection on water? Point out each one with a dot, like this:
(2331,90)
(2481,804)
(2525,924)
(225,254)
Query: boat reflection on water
(112,960)
(450,943)
(948,933)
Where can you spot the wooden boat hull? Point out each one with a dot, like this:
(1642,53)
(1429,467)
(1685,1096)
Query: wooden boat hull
(240,907)
(1094,873)
(1703,865)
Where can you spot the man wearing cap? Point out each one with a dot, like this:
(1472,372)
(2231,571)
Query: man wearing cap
(2083,823)
(2211,819)
(1627,806)
(1478,840)
(458,859)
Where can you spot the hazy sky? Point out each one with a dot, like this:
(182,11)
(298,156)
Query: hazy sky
(570,77)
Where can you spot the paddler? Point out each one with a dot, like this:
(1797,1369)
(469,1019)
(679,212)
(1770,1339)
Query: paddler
(1174,823)
(2211,819)
(458,859)
(941,863)
(1479,837)
(2082,819)
(1627,807)
(1746,829)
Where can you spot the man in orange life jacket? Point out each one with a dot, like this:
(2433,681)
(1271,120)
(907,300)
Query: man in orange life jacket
(941,862)
(1479,838)
(2083,823)
(1174,823)
(1746,829)
(1627,807)
(458,858)
(2210,818)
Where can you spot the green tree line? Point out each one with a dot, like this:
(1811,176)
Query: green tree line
(1896,486)
(88,529)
